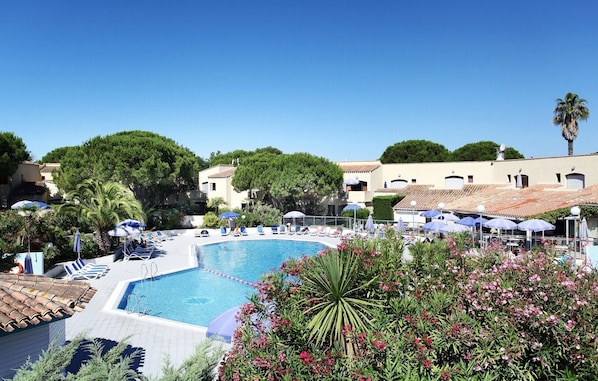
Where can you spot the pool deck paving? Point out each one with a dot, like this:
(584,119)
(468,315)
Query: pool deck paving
(156,338)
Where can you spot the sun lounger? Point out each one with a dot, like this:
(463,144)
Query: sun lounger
(260,230)
(243,230)
(318,231)
(302,230)
(143,253)
(282,229)
(274,229)
(223,230)
(72,273)
(236,232)
(336,233)
(79,264)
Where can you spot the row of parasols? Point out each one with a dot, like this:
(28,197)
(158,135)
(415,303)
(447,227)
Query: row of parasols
(438,223)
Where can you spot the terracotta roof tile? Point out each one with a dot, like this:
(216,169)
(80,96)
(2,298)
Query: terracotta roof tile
(358,167)
(30,299)
(499,200)
(224,174)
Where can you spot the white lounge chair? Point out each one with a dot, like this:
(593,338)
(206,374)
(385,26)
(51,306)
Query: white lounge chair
(72,273)
(260,230)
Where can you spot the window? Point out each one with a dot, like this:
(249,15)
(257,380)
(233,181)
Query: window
(470,179)
(213,186)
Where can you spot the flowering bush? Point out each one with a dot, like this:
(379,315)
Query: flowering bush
(450,313)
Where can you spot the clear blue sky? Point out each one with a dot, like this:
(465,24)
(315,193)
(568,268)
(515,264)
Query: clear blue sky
(338,79)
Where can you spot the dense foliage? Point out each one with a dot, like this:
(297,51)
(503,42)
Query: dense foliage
(423,151)
(481,151)
(566,114)
(153,167)
(101,206)
(415,151)
(237,157)
(116,363)
(297,181)
(12,153)
(34,230)
(364,313)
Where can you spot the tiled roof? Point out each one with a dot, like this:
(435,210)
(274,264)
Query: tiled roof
(27,300)
(497,199)
(358,167)
(224,174)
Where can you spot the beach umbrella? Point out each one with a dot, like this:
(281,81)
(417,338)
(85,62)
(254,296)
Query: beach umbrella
(229,215)
(430,213)
(535,225)
(467,221)
(434,226)
(29,204)
(354,207)
(77,244)
(294,214)
(584,236)
(28,268)
(351,182)
(224,325)
(519,181)
(454,228)
(123,231)
(500,223)
(401,226)
(446,217)
(369,224)
(132,224)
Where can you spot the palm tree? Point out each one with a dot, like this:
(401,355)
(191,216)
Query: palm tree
(336,299)
(566,114)
(102,206)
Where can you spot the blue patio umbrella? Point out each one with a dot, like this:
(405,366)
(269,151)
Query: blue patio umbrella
(224,325)
(430,213)
(401,226)
(500,223)
(29,204)
(446,217)
(467,221)
(535,225)
(434,226)
(354,207)
(369,224)
(28,268)
(229,214)
(132,223)
(77,244)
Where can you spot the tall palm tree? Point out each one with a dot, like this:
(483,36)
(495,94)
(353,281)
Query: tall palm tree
(566,114)
(102,206)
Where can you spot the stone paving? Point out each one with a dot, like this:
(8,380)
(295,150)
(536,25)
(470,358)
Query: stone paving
(155,337)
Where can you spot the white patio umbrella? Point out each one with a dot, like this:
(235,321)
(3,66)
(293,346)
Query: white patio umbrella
(534,225)
(446,217)
(294,214)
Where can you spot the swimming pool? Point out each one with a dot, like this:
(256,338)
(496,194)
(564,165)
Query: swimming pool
(198,295)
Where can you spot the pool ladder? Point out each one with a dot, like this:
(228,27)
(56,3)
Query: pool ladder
(149,272)
(138,304)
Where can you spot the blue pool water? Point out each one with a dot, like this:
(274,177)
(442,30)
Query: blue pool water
(197,296)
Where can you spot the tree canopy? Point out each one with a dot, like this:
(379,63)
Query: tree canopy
(298,181)
(56,155)
(424,151)
(480,151)
(12,153)
(238,156)
(153,167)
(415,151)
